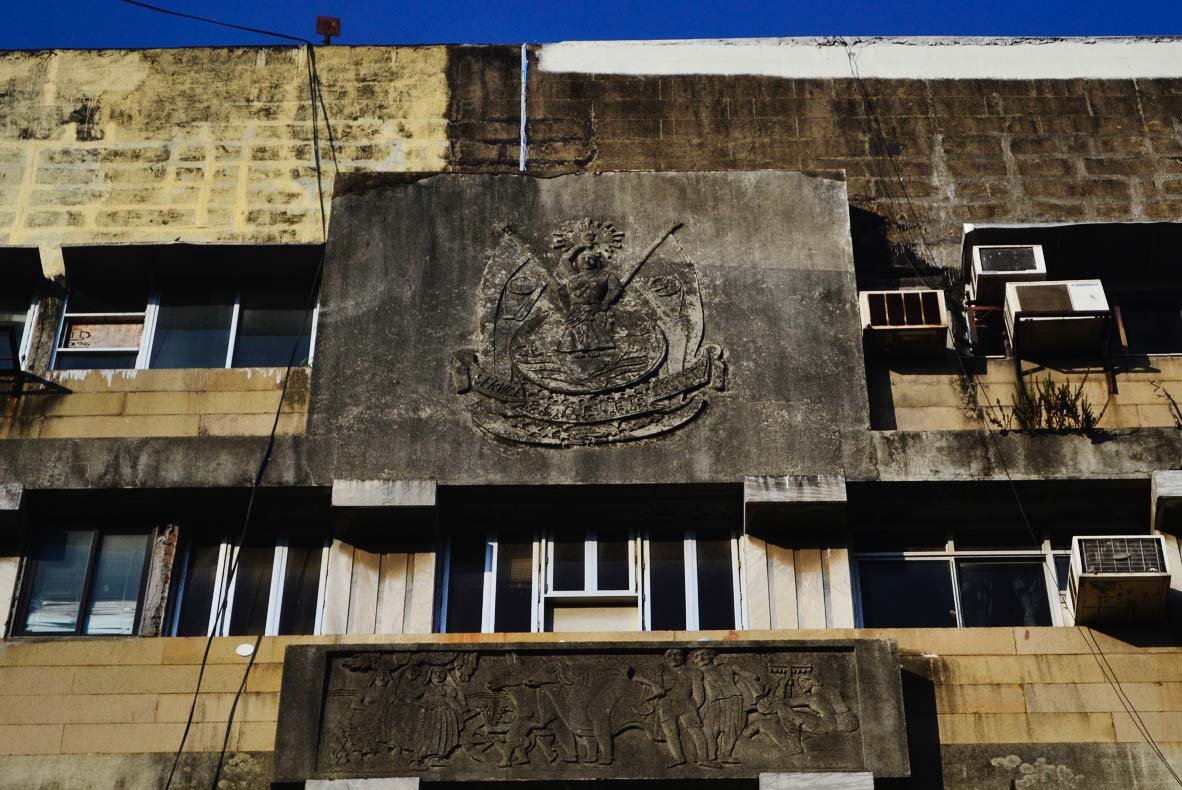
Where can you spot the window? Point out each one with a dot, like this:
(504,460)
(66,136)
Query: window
(84,581)
(241,312)
(970,579)
(20,272)
(578,580)
(277,587)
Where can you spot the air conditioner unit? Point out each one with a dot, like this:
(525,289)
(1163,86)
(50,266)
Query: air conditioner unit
(1118,579)
(994,265)
(905,323)
(1061,315)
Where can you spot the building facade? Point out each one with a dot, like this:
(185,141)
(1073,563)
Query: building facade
(778,413)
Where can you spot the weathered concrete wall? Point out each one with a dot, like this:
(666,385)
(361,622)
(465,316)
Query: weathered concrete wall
(928,154)
(985,700)
(136,403)
(411,287)
(933,397)
(203,145)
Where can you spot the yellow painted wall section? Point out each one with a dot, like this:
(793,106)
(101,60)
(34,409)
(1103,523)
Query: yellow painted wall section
(203,145)
(123,403)
(992,685)
(1147,397)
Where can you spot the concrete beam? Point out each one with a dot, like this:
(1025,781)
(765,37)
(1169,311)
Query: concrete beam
(396,783)
(383,493)
(830,781)
(10,496)
(790,490)
(1165,502)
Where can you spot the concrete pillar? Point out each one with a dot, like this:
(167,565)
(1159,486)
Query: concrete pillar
(831,781)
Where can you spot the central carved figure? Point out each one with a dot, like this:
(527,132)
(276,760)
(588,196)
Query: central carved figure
(587,296)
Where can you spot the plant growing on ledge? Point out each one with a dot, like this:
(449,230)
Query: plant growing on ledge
(1048,406)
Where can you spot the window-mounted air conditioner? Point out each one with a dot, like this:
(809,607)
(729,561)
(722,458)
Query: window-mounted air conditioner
(994,265)
(1118,579)
(1061,315)
(905,323)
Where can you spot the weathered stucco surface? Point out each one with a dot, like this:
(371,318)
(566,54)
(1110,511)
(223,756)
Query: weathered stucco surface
(203,145)
(403,299)
(975,699)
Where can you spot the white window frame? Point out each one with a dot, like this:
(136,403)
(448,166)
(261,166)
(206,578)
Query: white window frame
(227,551)
(25,341)
(150,314)
(950,555)
(544,595)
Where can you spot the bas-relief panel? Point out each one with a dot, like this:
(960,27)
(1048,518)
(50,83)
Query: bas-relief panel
(583,346)
(676,712)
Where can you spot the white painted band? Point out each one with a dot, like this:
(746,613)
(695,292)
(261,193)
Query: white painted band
(921,58)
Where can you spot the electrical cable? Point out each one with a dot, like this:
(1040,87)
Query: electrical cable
(316,101)
(1093,645)
(219,23)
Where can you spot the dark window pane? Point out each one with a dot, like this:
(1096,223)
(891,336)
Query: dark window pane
(716,597)
(115,586)
(115,296)
(514,586)
(197,593)
(192,327)
(269,321)
(901,594)
(666,570)
(13,311)
(568,563)
(465,584)
(98,361)
(252,590)
(996,593)
(612,564)
(1062,570)
(56,591)
(301,584)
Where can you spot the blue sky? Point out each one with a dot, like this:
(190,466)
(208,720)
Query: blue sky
(110,23)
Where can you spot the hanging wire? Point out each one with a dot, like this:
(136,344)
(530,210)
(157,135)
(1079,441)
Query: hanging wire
(1089,638)
(317,105)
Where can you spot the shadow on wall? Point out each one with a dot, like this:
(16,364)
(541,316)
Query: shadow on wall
(923,732)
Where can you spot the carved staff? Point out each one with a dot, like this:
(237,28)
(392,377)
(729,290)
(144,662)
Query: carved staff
(627,278)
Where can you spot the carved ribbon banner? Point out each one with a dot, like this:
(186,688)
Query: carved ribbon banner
(619,711)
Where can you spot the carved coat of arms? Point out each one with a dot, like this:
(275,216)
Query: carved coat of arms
(584,345)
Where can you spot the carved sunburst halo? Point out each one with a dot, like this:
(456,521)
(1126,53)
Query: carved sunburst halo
(599,237)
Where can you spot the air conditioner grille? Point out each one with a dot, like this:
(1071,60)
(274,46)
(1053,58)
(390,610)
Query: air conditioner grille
(1054,298)
(1122,555)
(905,308)
(1008,259)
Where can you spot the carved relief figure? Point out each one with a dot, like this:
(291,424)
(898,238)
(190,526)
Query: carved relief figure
(597,343)
(678,693)
(724,710)
(436,734)
(701,709)
(587,295)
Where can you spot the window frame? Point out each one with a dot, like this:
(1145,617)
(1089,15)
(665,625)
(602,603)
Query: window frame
(227,551)
(1045,554)
(543,595)
(24,342)
(150,315)
(29,573)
